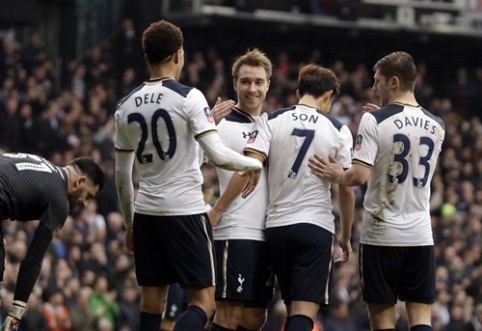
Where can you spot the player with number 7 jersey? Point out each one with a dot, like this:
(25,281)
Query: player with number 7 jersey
(300,228)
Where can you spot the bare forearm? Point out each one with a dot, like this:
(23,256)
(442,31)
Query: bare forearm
(231,192)
(346,198)
(125,188)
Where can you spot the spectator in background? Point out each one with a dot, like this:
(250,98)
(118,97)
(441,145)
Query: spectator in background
(57,314)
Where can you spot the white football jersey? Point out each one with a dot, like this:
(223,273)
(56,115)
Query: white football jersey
(160,121)
(244,218)
(402,144)
(287,138)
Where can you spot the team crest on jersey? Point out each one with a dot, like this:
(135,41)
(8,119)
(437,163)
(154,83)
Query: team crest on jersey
(209,115)
(358,142)
(252,136)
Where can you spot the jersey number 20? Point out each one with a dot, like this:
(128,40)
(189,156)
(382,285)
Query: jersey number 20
(147,158)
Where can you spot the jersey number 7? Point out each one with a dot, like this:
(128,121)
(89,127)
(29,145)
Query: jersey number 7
(308,134)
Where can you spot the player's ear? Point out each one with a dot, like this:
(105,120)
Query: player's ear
(298,94)
(234,85)
(327,96)
(80,181)
(394,82)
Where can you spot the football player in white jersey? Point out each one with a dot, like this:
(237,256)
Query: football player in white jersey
(300,225)
(159,125)
(396,150)
(244,277)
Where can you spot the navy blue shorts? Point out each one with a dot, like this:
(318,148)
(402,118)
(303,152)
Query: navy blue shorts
(176,303)
(302,260)
(244,272)
(390,273)
(174,249)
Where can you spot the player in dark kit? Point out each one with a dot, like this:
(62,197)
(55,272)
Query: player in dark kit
(32,188)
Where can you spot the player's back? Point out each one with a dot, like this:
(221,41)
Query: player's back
(27,184)
(397,198)
(160,121)
(295,133)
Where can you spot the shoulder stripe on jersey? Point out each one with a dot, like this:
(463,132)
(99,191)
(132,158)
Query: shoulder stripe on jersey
(130,94)
(250,150)
(369,166)
(278,112)
(124,150)
(386,112)
(434,117)
(240,116)
(199,136)
(336,123)
(177,87)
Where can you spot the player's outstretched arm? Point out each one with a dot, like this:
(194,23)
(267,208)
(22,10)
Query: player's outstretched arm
(232,191)
(252,176)
(333,171)
(125,191)
(346,198)
(224,157)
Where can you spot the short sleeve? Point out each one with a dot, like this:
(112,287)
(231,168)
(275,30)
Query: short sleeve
(199,114)
(366,142)
(121,141)
(345,148)
(260,140)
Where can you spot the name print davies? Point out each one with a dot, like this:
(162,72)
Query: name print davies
(149,98)
(415,122)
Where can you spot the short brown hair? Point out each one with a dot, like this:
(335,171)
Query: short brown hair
(317,80)
(401,65)
(161,40)
(253,58)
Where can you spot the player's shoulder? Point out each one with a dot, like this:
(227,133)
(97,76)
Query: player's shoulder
(129,96)
(238,115)
(279,112)
(436,118)
(382,114)
(178,88)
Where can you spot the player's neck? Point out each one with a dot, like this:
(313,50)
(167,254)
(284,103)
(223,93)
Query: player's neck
(164,71)
(71,176)
(311,101)
(407,98)
(251,111)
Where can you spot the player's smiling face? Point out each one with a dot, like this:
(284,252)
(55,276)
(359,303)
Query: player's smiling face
(251,86)
(381,88)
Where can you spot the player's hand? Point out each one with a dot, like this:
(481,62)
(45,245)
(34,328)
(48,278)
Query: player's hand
(222,109)
(331,171)
(369,107)
(214,215)
(129,241)
(253,179)
(345,246)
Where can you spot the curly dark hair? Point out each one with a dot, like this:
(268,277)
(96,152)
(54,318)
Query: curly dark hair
(161,40)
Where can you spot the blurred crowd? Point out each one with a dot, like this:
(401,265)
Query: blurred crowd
(88,282)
